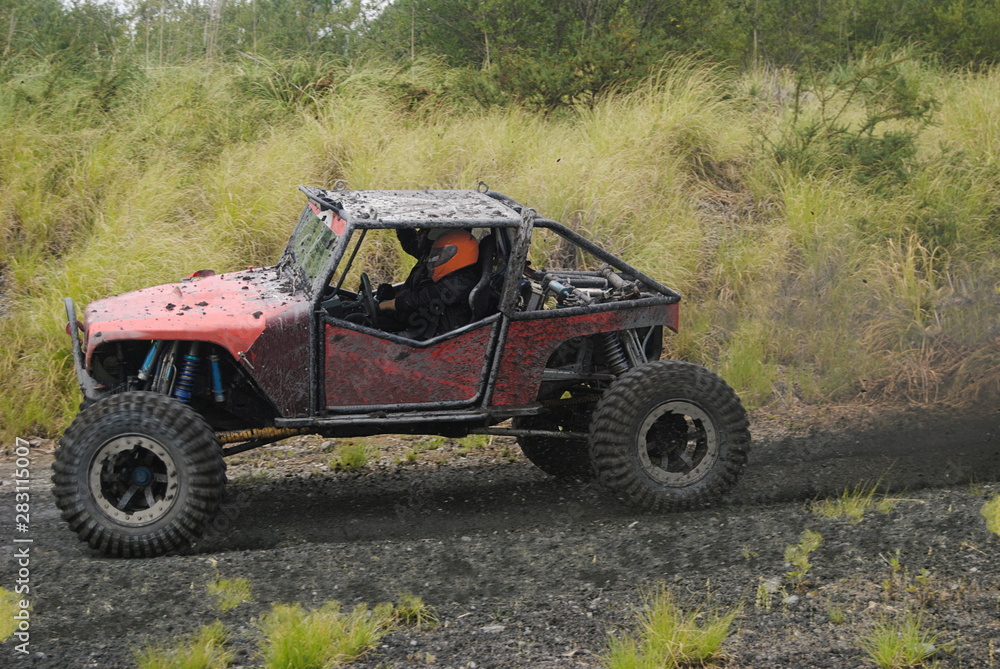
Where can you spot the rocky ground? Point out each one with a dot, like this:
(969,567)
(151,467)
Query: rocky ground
(524,570)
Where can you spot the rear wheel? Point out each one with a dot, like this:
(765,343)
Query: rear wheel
(556,456)
(669,435)
(138,474)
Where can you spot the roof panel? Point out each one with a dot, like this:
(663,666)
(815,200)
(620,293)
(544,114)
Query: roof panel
(467,207)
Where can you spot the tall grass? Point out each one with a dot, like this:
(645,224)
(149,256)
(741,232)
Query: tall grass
(812,286)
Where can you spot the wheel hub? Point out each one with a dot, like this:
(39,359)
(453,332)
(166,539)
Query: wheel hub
(142,476)
(133,479)
(677,443)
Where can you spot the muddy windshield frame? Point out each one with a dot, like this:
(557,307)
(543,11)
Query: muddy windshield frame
(318,235)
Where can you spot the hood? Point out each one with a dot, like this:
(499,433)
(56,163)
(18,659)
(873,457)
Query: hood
(230,310)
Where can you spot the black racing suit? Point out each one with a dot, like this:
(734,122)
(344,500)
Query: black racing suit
(425,308)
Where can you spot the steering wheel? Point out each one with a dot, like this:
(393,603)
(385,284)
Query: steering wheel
(367,298)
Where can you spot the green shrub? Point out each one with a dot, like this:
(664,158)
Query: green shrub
(351,455)
(295,638)
(204,650)
(853,503)
(991,512)
(411,610)
(897,643)
(8,608)
(229,592)
(670,637)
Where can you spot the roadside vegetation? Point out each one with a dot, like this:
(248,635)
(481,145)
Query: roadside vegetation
(834,235)
(824,194)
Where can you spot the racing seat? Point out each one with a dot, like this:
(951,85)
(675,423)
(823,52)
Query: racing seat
(481,299)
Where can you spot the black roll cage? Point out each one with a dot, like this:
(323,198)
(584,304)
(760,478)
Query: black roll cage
(509,214)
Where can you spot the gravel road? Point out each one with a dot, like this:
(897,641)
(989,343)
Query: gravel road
(524,570)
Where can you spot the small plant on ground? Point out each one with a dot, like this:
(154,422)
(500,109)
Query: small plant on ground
(837,615)
(670,637)
(8,608)
(765,589)
(508,453)
(299,639)
(991,512)
(898,643)
(853,504)
(205,650)
(474,442)
(229,592)
(797,555)
(422,445)
(411,610)
(920,589)
(350,456)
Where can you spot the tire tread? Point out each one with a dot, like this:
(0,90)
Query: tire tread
(193,446)
(621,410)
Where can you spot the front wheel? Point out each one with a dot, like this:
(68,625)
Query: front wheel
(138,474)
(669,435)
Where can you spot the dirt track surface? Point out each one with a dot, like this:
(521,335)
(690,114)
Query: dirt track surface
(524,570)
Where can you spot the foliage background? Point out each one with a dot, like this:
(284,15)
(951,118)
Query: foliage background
(821,181)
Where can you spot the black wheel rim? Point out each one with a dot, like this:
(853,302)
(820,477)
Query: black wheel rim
(677,444)
(133,479)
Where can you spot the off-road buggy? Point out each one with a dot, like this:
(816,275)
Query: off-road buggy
(179,376)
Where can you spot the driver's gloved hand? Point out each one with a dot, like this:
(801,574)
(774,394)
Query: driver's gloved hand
(385,292)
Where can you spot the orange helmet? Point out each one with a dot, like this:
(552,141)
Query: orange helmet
(452,250)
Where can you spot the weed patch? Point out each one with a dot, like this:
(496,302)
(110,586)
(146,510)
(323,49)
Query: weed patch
(229,592)
(669,637)
(411,610)
(351,456)
(854,503)
(991,512)
(298,639)
(8,607)
(894,643)
(797,556)
(205,650)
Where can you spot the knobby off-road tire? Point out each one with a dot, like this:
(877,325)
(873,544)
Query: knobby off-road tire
(138,474)
(563,458)
(668,436)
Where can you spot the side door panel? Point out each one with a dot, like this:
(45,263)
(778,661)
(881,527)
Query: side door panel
(533,336)
(364,370)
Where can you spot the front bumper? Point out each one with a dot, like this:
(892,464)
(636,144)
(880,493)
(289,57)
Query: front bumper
(87,384)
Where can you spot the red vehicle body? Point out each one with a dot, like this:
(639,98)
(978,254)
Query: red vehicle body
(176,377)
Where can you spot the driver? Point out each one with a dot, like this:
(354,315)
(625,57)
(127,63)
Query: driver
(434,299)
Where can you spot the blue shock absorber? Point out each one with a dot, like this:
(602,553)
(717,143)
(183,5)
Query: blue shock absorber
(188,376)
(218,392)
(151,358)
